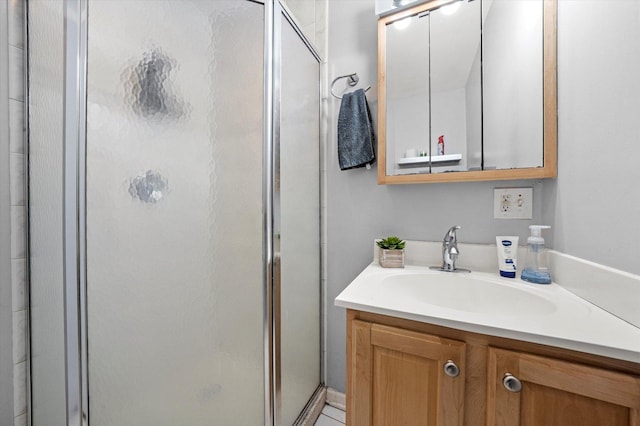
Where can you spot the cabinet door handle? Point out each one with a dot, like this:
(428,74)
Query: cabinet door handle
(511,383)
(451,369)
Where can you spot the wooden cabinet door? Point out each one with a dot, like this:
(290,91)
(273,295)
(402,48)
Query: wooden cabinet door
(397,377)
(558,393)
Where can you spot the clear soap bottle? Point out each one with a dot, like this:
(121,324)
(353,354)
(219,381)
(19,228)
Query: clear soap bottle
(535,269)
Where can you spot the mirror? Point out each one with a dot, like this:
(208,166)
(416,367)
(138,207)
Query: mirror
(468,91)
(408,112)
(512,83)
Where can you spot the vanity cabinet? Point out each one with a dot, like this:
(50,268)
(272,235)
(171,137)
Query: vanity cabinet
(525,389)
(402,377)
(396,375)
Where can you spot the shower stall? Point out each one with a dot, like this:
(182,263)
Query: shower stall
(174,213)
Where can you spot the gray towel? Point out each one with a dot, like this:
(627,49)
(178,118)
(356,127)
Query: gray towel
(355,132)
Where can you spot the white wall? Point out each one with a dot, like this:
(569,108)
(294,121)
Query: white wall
(599,102)
(593,205)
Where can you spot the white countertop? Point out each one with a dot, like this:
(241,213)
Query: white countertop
(569,322)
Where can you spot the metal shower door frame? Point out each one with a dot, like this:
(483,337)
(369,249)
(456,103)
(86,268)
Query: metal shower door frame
(74,215)
(276,12)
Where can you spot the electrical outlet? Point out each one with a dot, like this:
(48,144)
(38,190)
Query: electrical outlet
(513,203)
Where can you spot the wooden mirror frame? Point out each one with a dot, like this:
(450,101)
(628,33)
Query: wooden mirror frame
(550,109)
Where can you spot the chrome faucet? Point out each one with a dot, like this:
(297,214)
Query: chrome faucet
(450,249)
(450,252)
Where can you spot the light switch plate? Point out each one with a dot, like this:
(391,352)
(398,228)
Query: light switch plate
(513,203)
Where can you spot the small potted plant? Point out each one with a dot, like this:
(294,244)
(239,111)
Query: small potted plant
(391,252)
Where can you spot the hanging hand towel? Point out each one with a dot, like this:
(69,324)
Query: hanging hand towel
(355,132)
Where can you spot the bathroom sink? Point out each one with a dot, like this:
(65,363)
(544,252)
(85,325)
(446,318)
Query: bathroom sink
(483,302)
(473,293)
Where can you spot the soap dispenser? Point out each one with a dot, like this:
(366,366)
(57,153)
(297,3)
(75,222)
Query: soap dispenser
(535,268)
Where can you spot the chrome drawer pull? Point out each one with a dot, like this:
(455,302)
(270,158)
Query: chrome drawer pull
(451,369)
(511,383)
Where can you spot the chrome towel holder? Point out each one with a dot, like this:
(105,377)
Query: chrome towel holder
(352,80)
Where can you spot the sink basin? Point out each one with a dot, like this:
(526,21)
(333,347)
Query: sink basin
(483,302)
(472,293)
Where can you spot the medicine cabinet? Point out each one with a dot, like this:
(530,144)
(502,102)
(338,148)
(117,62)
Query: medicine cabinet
(467,91)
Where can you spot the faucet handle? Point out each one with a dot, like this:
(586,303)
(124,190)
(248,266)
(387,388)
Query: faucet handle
(451,233)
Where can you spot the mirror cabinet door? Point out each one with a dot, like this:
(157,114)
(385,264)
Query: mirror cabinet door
(469,88)
(512,52)
(408,117)
(455,87)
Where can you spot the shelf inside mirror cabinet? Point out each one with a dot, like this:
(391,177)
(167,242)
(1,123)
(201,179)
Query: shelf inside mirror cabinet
(436,159)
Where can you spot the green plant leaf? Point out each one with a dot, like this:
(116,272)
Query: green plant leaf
(391,243)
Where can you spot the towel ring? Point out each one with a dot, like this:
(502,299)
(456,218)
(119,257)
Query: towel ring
(352,80)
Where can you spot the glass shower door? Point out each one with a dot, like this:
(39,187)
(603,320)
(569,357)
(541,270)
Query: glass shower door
(172,281)
(299,194)
(174,212)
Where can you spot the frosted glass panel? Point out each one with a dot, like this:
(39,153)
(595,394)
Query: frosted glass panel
(300,224)
(46,79)
(174,214)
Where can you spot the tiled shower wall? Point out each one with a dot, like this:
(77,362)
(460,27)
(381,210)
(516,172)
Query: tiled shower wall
(311,15)
(14,69)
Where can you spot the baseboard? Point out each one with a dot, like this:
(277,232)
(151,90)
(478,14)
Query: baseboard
(336,399)
(314,408)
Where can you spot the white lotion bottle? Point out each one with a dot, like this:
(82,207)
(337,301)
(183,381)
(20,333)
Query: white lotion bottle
(507,255)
